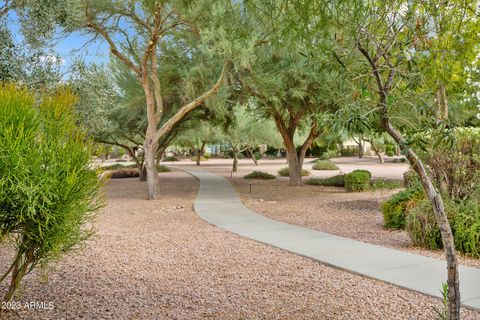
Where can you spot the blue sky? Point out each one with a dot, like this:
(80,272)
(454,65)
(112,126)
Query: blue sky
(70,47)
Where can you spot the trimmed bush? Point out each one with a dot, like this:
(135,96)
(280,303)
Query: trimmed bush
(118,166)
(394,209)
(124,173)
(390,153)
(162,168)
(202,158)
(285,172)
(358,180)
(259,175)
(324,165)
(335,181)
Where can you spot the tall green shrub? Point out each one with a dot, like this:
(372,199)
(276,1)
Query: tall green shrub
(48,190)
(395,208)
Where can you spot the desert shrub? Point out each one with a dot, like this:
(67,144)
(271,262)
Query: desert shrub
(118,166)
(259,175)
(335,181)
(124,173)
(395,208)
(257,155)
(410,179)
(162,168)
(170,159)
(390,153)
(421,226)
(385,184)
(358,180)
(49,193)
(466,227)
(324,165)
(390,149)
(456,167)
(207,155)
(285,172)
(328,155)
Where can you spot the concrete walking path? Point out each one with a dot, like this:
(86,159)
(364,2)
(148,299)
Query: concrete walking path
(218,204)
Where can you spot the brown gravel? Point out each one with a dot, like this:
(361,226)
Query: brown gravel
(158,260)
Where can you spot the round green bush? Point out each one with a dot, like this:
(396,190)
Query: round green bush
(324,165)
(259,175)
(395,208)
(358,180)
(285,172)
(390,153)
(466,227)
(170,159)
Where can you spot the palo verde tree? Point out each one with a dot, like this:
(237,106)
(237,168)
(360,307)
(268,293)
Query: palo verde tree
(247,131)
(285,87)
(391,76)
(49,191)
(135,32)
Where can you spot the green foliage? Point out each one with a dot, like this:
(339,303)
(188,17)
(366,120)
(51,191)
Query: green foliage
(410,179)
(324,165)
(124,173)
(118,166)
(395,208)
(385,184)
(466,227)
(170,159)
(259,175)
(49,191)
(202,158)
(328,155)
(285,172)
(358,180)
(335,181)
(457,164)
(421,226)
(162,168)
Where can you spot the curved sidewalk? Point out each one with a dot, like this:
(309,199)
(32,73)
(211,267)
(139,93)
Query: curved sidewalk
(218,204)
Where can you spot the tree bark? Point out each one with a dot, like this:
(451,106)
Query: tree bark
(153,181)
(235,151)
(442,103)
(294,166)
(377,151)
(252,155)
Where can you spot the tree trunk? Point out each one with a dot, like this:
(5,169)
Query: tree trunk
(294,166)
(235,159)
(197,156)
(153,181)
(377,151)
(252,155)
(360,148)
(442,221)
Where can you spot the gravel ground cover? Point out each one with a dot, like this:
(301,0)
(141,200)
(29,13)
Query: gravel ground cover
(158,260)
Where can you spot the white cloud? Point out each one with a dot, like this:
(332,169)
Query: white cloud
(52,59)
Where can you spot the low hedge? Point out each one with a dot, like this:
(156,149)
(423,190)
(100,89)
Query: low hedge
(335,181)
(259,175)
(162,168)
(358,180)
(285,172)
(118,166)
(324,165)
(124,173)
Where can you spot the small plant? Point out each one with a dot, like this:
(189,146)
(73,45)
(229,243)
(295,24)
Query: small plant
(442,314)
(394,209)
(335,181)
(207,155)
(358,180)
(170,159)
(466,226)
(385,184)
(259,175)
(324,165)
(162,168)
(285,172)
